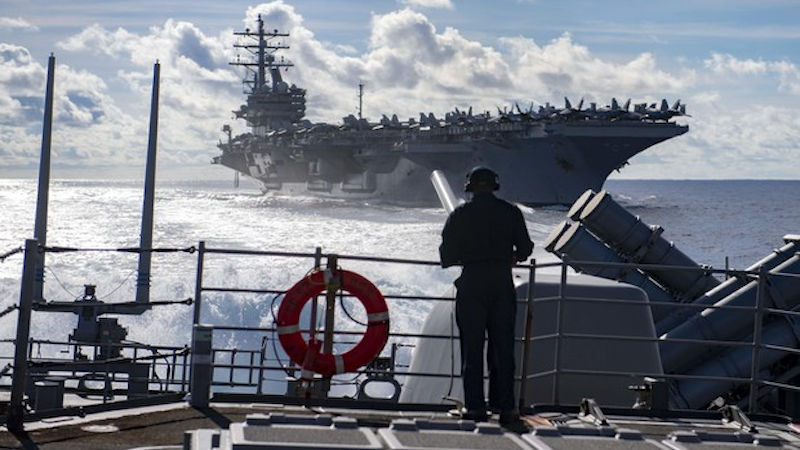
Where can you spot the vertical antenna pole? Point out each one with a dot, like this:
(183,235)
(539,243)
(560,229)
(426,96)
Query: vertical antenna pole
(262,54)
(40,227)
(146,239)
(360,99)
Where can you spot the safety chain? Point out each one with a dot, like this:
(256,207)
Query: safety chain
(8,310)
(56,249)
(182,352)
(58,306)
(10,253)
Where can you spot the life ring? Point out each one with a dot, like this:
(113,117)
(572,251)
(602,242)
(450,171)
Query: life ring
(326,364)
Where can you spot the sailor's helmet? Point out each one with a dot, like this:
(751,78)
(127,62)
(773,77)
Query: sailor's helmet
(481,175)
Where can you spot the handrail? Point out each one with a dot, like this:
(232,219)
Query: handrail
(247,369)
(559,335)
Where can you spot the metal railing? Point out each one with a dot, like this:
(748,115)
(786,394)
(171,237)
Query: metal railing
(749,387)
(257,365)
(232,368)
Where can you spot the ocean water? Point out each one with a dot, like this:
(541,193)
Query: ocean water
(714,222)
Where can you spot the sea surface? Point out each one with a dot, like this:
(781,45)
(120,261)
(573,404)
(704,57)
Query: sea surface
(717,223)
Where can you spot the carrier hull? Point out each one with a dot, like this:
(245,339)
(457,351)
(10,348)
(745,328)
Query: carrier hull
(538,164)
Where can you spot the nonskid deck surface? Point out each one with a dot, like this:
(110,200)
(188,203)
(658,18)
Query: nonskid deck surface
(278,426)
(163,425)
(127,429)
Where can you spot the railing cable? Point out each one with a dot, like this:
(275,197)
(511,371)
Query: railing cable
(10,253)
(62,249)
(9,310)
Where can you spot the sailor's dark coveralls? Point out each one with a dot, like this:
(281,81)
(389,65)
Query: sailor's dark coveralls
(486,236)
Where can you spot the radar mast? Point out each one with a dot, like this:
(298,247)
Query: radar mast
(270,105)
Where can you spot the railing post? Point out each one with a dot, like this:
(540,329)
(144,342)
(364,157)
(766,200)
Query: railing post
(330,303)
(262,361)
(562,292)
(202,371)
(526,342)
(761,292)
(16,411)
(198,282)
(330,308)
(312,327)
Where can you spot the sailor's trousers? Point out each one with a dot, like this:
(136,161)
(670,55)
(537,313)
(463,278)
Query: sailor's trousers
(486,307)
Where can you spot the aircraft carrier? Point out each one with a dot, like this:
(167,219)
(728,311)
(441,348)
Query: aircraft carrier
(546,156)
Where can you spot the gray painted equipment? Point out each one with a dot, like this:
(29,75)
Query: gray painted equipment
(615,315)
(549,244)
(608,236)
(641,243)
(578,206)
(202,371)
(448,200)
(715,324)
(680,314)
(578,245)
(736,362)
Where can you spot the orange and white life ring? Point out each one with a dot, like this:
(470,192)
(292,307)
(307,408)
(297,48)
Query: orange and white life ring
(326,364)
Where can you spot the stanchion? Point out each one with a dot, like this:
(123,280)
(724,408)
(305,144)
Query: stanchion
(16,411)
(200,387)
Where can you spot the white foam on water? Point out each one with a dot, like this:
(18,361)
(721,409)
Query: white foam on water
(104,215)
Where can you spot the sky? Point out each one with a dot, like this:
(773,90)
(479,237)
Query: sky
(733,63)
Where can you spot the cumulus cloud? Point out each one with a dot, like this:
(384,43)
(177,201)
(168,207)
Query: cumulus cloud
(98,40)
(728,145)
(743,120)
(728,66)
(563,67)
(198,91)
(410,66)
(409,59)
(433,4)
(176,43)
(16,24)
(81,104)
(21,83)
(723,64)
(413,67)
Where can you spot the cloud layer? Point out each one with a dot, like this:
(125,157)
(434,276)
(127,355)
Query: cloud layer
(743,123)
(16,24)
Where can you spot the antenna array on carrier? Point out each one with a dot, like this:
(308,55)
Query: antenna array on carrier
(270,106)
(263,50)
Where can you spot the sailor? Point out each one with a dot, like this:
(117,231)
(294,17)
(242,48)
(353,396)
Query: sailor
(486,236)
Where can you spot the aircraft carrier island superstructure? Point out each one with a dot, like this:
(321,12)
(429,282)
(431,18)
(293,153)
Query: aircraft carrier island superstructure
(546,156)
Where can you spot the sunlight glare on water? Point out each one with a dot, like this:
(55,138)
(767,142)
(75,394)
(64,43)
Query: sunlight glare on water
(709,221)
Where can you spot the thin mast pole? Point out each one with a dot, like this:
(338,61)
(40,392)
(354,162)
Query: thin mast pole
(146,239)
(40,226)
(360,99)
(262,50)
